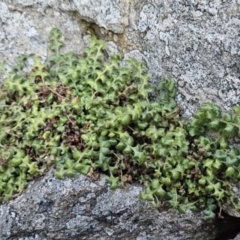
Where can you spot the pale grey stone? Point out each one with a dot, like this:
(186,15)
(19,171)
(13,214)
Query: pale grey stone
(110,14)
(230,208)
(79,208)
(237,237)
(196,42)
(25,28)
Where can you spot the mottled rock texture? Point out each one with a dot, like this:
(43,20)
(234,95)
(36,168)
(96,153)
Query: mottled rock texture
(236,193)
(25,27)
(79,208)
(237,237)
(194,42)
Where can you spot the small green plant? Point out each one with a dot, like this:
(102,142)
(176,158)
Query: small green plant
(93,114)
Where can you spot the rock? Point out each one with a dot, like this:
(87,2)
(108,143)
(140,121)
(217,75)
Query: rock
(230,208)
(194,43)
(111,15)
(237,237)
(78,208)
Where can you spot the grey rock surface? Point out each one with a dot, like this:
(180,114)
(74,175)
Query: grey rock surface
(194,42)
(230,209)
(109,14)
(79,208)
(25,27)
(237,237)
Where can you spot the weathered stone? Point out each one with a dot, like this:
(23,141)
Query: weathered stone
(109,14)
(78,208)
(237,237)
(230,209)
(25,28)
(196,43)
